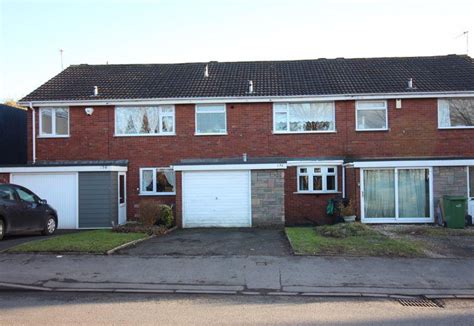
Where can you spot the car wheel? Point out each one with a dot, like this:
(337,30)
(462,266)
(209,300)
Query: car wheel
(2,229)
(50,226)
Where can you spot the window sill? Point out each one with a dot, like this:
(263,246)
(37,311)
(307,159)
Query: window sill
(304,132)
(147,135)
(458,127)
(158,194)
(51,136)
(368,130)
(211,134)
(316,192)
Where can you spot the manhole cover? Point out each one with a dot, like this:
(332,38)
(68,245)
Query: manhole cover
(421,303)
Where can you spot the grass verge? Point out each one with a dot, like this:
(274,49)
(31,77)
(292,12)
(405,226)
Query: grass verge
(97,242)
(349,239)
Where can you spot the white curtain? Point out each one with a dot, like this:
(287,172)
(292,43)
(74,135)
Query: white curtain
(379,193)
(311,116)
(153,116)
(122,119)
(413,193)
(443,114)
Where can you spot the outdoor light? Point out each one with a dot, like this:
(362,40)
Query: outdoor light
(89,111)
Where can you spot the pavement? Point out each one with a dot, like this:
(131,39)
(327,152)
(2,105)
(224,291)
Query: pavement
(11,241)
(215,242)
(46,308)
(269,275)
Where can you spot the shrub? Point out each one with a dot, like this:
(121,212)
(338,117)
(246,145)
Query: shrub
(149,212)
(166,217)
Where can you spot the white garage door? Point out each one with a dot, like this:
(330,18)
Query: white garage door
(216,199)
(59,189)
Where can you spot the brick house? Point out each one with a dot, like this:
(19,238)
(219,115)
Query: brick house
(252,143)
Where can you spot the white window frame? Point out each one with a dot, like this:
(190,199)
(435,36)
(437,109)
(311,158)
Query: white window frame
(288,131)
(219,108)
(310,173)
(396,218)
(53,123)
(440,101)
(160,124)
(358,108)
(154,192)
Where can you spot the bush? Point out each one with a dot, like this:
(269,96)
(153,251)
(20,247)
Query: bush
(166,217)
(140,228)
(149,212)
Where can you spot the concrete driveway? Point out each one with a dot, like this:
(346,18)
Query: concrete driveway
(11,241)
(215,242)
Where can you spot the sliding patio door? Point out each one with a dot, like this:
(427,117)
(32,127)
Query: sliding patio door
(397,195)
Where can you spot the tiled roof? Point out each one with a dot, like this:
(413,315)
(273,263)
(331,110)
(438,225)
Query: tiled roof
(270,78)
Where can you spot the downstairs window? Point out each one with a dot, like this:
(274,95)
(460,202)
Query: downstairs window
(317,179)
(157,181)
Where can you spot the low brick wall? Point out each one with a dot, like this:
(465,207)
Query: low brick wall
(449,180)
(268,197)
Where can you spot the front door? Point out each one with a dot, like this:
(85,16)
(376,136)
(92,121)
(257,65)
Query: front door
(122,198)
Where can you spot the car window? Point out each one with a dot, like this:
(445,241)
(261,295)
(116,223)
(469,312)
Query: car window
(26,195)
(7,193)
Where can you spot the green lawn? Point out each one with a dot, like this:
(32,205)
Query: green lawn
(97,241)
(350,239)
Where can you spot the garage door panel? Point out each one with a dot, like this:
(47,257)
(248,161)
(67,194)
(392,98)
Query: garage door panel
(216,199)
(60,191)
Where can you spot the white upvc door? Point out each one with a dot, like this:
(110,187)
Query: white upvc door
(122,198)
(216,199)
(395,201)
(470,190)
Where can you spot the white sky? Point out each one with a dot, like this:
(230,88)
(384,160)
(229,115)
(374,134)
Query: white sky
(96,31)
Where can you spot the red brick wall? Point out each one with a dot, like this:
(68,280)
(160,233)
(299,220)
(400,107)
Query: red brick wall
(353,188)
(4,177)
(307,208)
(413,132)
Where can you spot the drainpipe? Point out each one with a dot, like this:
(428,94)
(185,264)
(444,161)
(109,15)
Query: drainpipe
(343,181)
(33,127)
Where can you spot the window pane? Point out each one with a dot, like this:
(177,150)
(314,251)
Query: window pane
(137,120)
(167,124)
(165,181)
(26,195)
(303,170)
(303,182)
(6,193)
(317,183)
(456,113)
(311,116)
(281,121)
(413,193)
(330,170)
(211,123)
(62,124)
(371,104)
(379,193)
(317,170)
(331,183)
(121,189)
(371,119)
(46,121)
(147,180)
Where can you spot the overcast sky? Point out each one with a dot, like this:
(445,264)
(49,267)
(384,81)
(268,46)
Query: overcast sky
(161,31)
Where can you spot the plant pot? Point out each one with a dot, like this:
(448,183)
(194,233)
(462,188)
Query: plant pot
(349,219)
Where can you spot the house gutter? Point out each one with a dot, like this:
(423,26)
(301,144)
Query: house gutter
(253,99)
(33,127)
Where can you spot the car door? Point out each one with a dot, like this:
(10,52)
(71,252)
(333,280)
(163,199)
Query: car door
(10,207)
(32,214)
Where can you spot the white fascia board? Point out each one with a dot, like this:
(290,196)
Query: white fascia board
(250,99)
(316,162)
(228,167)
(51,169)
(419,163)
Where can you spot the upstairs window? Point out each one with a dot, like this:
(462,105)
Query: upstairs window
(157,181)
(371,115)
(456,113)
(211,119)
(303,117)
(317,179)
(145,121)
(54,122)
